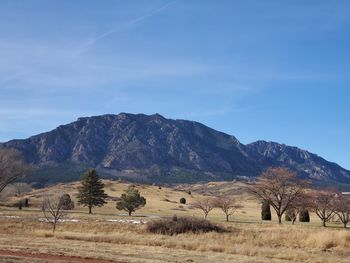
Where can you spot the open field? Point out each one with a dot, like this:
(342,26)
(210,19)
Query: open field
(109,236)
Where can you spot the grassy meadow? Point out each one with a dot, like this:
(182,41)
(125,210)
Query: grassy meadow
(109,235)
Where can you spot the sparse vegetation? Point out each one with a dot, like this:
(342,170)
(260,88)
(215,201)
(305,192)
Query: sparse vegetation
(263,243)
(182,200)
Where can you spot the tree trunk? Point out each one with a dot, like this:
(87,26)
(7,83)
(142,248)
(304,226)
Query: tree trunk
(345,225)
(129,213)
(90,212)
(279,219)
(324,222)
(226,218)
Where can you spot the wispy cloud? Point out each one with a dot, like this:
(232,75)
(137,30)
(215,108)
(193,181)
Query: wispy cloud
(128,24)
(51,67)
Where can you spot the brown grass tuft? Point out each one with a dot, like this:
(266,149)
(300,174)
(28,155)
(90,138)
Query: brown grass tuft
(180,225)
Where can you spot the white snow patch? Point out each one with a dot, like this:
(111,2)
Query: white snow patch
(12,217)
(61,220)
(130,221)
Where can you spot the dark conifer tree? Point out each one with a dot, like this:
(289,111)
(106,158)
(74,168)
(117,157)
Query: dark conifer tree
(91,192)
(265,211)
(304,216)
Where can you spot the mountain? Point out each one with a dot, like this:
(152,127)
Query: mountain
(152,148)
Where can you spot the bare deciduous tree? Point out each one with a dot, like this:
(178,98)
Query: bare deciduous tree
(206,205)
(323,204)
(280,187)
(11,167)
(342,208)
(227,204)
(52,208)
(301,203)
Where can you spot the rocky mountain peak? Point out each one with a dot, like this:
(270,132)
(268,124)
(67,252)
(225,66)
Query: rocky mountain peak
(153,146)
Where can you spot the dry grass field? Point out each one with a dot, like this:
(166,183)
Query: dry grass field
(108,236)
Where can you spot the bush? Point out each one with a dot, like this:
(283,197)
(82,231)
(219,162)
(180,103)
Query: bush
(304,216)
(182,200)
(179,225)
(66,202)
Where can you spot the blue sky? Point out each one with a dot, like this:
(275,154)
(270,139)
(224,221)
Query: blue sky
(271,70)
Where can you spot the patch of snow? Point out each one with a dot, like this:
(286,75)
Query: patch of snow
(61,220)
(69,220)
(130,221)
(10,217)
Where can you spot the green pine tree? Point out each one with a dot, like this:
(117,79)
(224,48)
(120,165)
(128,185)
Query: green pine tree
(131,200)
(91,192)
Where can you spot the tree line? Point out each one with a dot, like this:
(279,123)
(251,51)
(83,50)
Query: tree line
(288,195)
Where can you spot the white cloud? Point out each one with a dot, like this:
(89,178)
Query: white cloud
(128,24)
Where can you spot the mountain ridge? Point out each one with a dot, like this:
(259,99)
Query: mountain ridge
(153,148)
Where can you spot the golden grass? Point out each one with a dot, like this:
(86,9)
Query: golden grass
(162,202)
(286,242)
(93,236)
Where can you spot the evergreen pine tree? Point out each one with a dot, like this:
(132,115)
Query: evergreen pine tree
(265,211)
(131,200)
(91,192)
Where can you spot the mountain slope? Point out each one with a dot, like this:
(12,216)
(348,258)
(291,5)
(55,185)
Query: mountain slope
(153,148)
(309,165)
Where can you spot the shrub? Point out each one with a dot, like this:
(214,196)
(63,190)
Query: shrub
(189,192)
(182,200)
(179,225)
(304,216)
(66,202)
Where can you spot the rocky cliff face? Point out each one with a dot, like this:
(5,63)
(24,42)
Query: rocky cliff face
(120,144)
(308,165)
